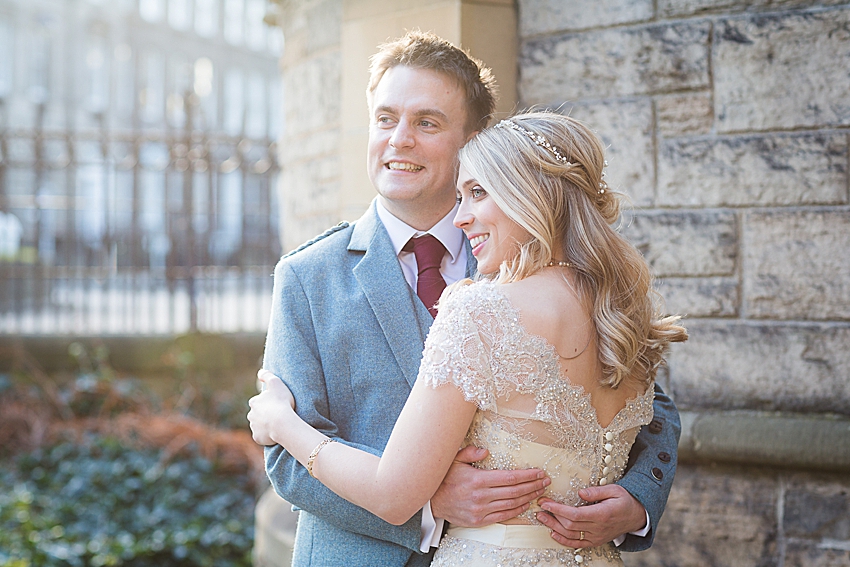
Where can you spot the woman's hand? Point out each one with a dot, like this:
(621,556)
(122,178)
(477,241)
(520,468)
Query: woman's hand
(268,406)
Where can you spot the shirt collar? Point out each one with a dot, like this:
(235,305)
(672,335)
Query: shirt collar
(400,232)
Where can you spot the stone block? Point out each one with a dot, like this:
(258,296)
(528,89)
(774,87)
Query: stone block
(772,367)
(777,169)
(324,20)
(796,264)
(625,128)
(702,243)
(547,16)
(817,554)
(614,63)
(296,148)
(700,297)
(684,114)
(310,27)
(674,8)
(817,507)
(716,517)
(311,90)
(782,70)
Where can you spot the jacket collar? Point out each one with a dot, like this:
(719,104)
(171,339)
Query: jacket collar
(391,299)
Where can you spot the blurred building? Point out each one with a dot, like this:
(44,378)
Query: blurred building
(137,165)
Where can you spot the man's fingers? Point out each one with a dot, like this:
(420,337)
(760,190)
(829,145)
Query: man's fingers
(570,536)
(503,515)
(497,478)
(470,454)
(597,493)
(507,497)
(514,502)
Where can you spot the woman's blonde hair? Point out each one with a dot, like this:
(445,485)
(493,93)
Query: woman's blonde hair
(545,172)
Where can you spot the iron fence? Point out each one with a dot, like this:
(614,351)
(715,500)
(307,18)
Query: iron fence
(120,232)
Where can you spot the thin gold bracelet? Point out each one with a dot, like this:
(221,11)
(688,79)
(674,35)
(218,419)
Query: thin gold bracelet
(315,454)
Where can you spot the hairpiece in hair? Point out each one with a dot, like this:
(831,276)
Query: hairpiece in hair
(537,139)
(541,141)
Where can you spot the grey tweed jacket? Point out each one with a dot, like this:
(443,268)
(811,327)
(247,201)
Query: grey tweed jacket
(346,335)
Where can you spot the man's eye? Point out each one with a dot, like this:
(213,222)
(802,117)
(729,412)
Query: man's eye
(427,124)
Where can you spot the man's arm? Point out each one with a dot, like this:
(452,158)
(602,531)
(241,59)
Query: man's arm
(622,508)
(292,354)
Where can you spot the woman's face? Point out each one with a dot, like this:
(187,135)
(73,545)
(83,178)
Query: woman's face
(494,237)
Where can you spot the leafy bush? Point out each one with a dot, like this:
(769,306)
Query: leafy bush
(95,471)
(96,502)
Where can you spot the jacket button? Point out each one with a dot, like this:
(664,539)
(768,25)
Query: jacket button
(656,472)
(664,457)
(655,426)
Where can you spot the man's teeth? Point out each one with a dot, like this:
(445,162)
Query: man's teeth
(403,166)
(478,240)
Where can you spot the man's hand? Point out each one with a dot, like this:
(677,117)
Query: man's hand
(612,513)
(267,406)
(472,498)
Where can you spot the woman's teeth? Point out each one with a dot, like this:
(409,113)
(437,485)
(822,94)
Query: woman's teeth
(478,240)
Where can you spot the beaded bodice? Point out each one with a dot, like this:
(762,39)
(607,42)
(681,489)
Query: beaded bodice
(530,414)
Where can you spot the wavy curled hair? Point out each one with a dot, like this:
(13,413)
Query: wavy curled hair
(560,204)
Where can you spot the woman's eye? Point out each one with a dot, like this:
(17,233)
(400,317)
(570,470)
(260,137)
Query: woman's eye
(477,192)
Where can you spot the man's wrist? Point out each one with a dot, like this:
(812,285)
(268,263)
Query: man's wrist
(643,532)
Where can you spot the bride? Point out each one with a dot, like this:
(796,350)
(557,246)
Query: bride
(547,361)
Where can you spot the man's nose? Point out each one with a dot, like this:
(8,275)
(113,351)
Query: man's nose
(402,136)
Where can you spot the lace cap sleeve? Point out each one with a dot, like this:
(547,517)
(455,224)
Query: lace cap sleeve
(455,350)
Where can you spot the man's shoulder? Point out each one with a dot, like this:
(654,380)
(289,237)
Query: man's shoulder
(332,241)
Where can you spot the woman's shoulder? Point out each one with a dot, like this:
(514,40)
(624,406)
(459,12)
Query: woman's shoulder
(472,298)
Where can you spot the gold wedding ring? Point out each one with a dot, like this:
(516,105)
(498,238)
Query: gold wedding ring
(581,536)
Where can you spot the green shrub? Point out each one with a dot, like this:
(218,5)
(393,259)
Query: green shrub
(98,502)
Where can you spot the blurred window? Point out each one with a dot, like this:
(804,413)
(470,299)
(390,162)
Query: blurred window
(206,17)
(152,10)
(179,14)
(7,55)
(234,21)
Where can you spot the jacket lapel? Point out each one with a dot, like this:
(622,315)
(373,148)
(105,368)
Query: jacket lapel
(391,299)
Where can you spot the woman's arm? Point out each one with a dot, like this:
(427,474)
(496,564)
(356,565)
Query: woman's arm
(422,446)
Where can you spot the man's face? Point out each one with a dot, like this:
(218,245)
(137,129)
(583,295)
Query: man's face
(417,126)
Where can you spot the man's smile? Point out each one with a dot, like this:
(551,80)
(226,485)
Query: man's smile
(403,166)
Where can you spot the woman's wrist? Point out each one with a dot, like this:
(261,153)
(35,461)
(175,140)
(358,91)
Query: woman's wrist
(285,425)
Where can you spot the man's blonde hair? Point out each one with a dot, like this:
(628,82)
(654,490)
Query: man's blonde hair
(560,198)
(425,50)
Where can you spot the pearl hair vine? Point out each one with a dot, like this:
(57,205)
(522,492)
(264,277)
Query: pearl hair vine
(541,141)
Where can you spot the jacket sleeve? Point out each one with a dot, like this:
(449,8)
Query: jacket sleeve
(652,466)
(292,353)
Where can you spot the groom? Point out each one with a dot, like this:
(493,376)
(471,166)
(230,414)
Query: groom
(349,323)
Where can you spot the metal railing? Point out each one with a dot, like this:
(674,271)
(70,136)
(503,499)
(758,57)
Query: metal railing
(153,232)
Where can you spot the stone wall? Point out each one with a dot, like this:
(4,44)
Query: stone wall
(310,145)
(727,125)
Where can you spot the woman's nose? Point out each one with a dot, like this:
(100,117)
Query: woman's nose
(462,218)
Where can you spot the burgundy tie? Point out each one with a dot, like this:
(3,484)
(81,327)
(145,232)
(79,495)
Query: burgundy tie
(429,255)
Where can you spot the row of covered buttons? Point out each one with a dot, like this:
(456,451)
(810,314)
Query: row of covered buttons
(607,470)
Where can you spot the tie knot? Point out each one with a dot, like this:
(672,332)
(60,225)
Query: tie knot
(428,251)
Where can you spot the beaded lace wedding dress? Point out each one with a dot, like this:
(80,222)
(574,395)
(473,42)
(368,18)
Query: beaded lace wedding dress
(529,415)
